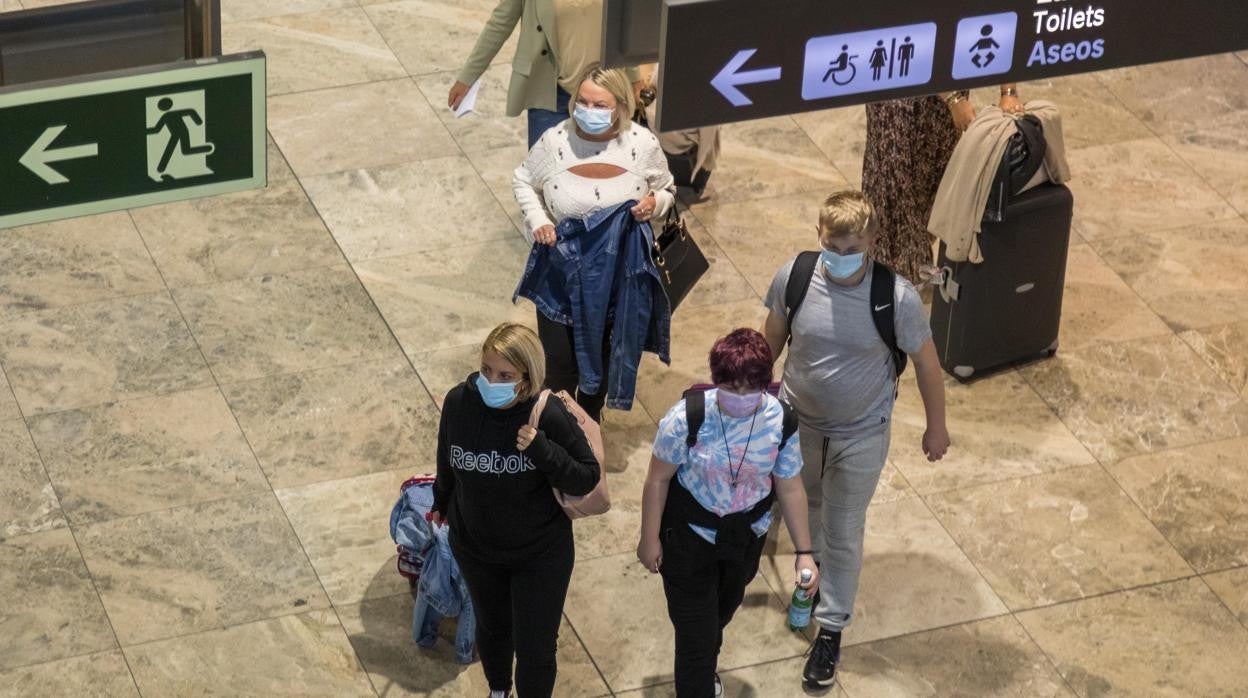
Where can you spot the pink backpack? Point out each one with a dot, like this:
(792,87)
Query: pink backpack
(598,501)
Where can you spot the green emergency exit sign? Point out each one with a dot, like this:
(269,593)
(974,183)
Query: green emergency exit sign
(132,138)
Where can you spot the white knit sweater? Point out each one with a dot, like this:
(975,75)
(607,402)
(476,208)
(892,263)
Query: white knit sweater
(549,193)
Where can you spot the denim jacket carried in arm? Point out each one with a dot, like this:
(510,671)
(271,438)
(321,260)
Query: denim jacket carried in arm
(601,273)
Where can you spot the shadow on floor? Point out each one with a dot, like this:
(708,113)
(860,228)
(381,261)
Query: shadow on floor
(385,645)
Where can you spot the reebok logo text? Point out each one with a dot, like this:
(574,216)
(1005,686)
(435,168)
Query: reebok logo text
(491,462)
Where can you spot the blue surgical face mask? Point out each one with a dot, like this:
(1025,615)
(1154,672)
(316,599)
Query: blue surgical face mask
(739,406)
(593,121)
(842,266)
(495,395)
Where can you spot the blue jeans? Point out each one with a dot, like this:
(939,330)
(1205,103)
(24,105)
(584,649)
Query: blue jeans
(542,119)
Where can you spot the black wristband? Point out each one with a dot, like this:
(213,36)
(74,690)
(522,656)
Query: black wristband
(803,552)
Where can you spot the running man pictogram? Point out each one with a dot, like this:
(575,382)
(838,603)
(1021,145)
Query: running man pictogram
(176,129)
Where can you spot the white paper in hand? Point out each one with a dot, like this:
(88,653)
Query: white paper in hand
(469,100)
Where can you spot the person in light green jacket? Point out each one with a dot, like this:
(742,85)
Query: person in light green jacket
(559,41)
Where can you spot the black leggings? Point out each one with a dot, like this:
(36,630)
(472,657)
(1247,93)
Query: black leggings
(562,372)
(518,609)
(703,593)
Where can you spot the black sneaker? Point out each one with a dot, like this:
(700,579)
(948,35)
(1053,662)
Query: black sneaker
(824,654)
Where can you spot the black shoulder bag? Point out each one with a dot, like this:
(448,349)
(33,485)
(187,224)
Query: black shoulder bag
(678,258)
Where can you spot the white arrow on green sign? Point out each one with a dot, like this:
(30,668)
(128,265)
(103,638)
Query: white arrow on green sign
(133,138)
(38,156)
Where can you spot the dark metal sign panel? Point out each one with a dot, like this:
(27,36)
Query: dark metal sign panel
(732,60)
(630,32)
(94,36)
(130,139)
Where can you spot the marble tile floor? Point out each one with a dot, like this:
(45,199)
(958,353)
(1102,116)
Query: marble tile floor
(206,407)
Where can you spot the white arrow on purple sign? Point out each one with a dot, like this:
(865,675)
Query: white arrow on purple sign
(729,78)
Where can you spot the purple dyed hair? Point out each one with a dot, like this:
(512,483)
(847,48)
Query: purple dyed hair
(743,357)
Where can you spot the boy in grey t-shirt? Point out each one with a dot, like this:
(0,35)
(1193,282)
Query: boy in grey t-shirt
(840,378)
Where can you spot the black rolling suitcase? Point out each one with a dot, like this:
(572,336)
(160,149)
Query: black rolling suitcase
(1006,310)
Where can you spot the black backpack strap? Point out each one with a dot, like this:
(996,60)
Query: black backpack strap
(799,283)
(883,312)
(695,414)
(790,425)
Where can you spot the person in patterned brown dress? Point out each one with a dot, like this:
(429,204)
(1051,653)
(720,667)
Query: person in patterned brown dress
(909,142)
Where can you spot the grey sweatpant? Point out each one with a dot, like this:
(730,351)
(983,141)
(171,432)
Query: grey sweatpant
(840,477)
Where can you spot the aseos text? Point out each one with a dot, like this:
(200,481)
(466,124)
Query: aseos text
(1066,19)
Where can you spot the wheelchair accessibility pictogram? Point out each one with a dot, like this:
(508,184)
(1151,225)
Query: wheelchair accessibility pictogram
(837,69)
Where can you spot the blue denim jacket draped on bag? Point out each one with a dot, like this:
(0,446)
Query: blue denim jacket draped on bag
(442,593)
(409,528)
(601,272)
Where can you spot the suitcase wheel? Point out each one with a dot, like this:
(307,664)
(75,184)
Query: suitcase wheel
(963,372)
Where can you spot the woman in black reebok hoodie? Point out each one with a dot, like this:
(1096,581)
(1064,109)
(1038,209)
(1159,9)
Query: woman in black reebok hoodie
(511,539)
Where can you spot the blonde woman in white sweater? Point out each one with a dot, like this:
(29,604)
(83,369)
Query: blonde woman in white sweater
(596,160)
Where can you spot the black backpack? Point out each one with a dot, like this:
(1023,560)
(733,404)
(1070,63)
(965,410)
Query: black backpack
(883,281)
(1023,158)
(695,414)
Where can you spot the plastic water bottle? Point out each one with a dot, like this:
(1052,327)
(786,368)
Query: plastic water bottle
(800,605)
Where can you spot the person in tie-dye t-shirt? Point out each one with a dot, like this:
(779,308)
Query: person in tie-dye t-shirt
(727,481)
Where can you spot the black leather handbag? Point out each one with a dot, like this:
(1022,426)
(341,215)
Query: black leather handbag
(678,258)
